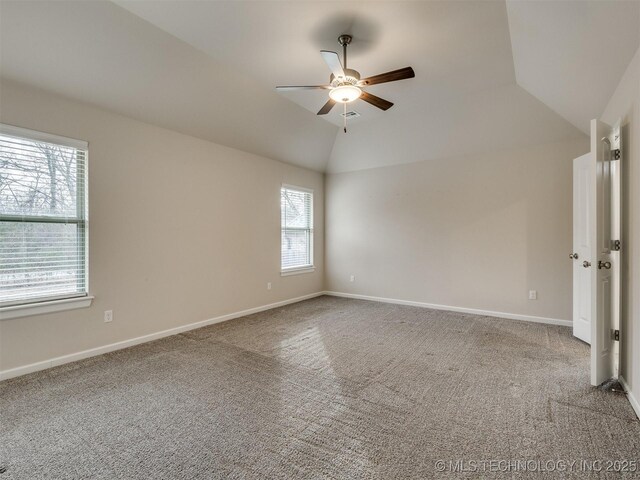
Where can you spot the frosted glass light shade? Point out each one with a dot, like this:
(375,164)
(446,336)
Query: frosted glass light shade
(345,93)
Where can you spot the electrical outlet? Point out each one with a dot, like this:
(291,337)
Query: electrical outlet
(533,295)
(108,316)
(268,285)
(352,279)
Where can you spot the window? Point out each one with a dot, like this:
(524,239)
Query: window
(43,217)
(296,207)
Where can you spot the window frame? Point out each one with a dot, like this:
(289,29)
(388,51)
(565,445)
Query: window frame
(71,300)
(310,267)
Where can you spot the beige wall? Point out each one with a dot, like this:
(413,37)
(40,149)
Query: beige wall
(625,105)
(476,232)
(181,230)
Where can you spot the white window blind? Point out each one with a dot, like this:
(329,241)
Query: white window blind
(296,207)
(43,217)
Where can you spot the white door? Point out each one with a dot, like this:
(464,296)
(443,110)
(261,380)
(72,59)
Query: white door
(583,213)
(604,303)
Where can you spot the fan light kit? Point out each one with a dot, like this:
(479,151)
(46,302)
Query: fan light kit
(345,93)
(345,85)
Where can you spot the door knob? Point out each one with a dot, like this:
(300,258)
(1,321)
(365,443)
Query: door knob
(602,264)
(586,264)
(573,255)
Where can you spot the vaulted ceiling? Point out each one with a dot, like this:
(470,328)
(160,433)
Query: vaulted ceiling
(572,54)
(488,74)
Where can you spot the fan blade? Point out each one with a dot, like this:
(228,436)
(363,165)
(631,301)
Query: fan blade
(287,88)
(381,103)
(333,61)
(326,108)
(393,76)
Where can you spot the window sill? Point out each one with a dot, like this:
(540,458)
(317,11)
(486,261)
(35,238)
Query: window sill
(17,311)
(297,271)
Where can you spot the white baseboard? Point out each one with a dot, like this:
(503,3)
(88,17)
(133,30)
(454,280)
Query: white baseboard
(54,362)
(632,399)
(486,313)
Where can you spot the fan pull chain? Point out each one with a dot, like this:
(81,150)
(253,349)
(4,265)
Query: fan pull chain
(345,117)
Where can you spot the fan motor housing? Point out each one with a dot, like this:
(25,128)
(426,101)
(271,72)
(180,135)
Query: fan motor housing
(352,78)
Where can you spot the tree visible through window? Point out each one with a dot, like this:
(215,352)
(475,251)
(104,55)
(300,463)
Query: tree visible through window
(43,217)
(296,207)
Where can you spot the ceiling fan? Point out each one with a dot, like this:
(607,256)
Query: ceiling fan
(345,85)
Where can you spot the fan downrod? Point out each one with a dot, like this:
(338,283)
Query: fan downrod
(344,40)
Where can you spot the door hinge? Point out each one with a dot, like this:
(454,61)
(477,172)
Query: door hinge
(615,245)
(616,335)
(615,154)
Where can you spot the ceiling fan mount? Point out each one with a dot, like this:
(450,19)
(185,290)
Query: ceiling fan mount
(344,39)
(345,84)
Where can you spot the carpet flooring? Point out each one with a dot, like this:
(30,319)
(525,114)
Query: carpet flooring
(329,388)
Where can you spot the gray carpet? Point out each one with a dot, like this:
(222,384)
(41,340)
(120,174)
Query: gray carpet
(328,388)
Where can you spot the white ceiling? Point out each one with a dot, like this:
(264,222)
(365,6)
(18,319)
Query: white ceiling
(572,54)
(99,53)
(501,118)
(209,68)
(454,47)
